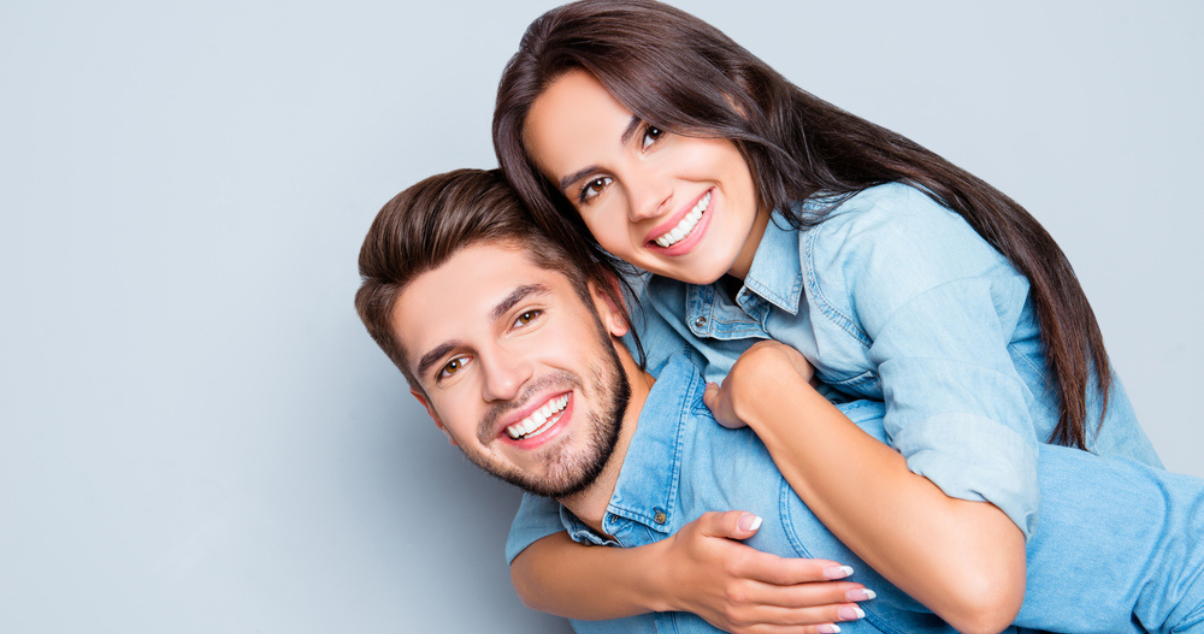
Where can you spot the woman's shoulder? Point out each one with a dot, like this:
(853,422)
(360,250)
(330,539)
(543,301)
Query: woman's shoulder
(888,221)
(895,241)
(887,207)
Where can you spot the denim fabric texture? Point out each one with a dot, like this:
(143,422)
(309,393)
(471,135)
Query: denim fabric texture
(894,298)
(1118,549)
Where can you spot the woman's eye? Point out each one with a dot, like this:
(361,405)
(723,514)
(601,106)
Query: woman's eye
(452,367)
(593,188)
(526,318)
(651,134)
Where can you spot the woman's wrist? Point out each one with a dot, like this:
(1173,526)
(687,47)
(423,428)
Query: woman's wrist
(769,372)
(659,591)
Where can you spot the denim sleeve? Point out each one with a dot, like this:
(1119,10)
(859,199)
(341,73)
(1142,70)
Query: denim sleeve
(537,518)
(939,306)
(956,408)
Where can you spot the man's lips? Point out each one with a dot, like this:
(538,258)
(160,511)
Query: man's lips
(536,418)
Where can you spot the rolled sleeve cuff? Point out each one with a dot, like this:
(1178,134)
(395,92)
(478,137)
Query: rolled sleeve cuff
(975,458)
(537,518)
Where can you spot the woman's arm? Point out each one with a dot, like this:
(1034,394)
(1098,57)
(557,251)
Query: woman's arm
(964,560)
(700,569)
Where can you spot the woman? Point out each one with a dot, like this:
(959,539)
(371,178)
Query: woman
(764,212)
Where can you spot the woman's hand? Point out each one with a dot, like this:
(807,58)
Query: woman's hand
(742,590)
(764,356)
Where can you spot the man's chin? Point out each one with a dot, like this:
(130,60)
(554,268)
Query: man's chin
(564,480)
(570,473)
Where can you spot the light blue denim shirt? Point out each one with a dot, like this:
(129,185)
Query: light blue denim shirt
(1118,550)
(895,298)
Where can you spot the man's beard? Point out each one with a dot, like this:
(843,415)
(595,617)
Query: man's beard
(565,472)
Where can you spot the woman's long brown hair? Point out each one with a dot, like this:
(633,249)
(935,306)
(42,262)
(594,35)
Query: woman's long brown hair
(684,76)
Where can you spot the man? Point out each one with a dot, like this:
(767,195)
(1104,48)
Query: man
(513,344)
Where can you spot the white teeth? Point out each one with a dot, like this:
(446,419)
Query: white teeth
(538,422)
(686,225)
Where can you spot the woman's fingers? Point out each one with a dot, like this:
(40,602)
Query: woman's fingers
(819,601)
(718,399)
(756,618)
(783,571)
(745,591)
(729,524)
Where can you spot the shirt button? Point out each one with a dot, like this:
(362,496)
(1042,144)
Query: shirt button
(660,517)
(700,322)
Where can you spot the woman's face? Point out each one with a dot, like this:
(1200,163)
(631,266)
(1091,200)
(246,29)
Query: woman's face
(682,207)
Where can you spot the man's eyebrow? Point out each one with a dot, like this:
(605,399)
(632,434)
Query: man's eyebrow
(431,357)
(632,126)
(515,296)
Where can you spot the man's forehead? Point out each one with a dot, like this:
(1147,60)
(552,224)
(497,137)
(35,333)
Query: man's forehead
(465,291)
(484,267)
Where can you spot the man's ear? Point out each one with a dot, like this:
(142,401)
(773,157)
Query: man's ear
(613,314)
(434,416)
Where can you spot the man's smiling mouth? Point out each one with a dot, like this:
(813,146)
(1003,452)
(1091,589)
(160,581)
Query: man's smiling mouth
(540,420)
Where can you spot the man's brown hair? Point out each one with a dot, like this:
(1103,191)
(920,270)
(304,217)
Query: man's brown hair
(428,223)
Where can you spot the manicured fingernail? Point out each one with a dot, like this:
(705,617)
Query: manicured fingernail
(828,628)
(850,614)
(838,572)
(860,594)
(749,522)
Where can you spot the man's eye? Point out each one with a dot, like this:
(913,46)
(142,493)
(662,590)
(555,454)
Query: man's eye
(593,188)
(452,367)
(527,317)
(651,134)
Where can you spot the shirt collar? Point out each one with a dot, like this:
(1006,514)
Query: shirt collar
(648,481)
(776,273)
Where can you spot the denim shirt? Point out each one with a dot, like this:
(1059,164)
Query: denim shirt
(1120,537)
(894,298)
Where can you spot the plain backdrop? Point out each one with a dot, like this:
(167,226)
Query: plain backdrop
(197,434)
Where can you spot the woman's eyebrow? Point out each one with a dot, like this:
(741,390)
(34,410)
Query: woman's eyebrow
(632,126)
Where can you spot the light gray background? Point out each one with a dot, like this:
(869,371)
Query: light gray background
(197,434)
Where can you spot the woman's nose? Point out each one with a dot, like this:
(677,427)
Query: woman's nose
(649,197)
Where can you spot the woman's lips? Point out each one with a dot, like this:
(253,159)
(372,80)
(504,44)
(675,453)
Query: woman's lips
(703,209)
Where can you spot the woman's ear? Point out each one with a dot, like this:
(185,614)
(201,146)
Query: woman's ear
(434,416)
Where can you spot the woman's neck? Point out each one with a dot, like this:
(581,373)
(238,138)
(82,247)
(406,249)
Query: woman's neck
(744,259)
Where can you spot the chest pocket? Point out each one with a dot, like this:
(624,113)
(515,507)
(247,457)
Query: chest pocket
(864,385)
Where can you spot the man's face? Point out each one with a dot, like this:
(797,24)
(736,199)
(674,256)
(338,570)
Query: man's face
(518,370)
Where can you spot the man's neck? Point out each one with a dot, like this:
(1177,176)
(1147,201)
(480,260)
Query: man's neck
(590,504)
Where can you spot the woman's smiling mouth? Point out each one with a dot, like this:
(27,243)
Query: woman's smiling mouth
(686,225)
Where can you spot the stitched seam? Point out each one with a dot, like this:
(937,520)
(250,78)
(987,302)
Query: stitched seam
(844,322)
(1027,360)
(860,379)
(917,296)
(679,447)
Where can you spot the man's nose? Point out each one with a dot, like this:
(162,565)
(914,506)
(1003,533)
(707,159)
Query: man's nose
(505,375)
